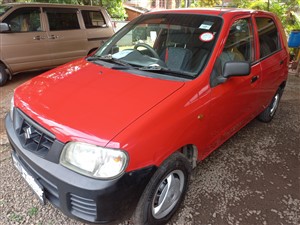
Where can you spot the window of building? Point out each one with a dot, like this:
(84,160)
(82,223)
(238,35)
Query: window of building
(162,3)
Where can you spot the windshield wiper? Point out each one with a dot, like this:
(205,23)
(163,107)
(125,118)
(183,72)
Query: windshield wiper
(159,69)
(109,58)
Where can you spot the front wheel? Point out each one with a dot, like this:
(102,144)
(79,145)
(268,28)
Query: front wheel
(164,193)
(3,75)
(268,114)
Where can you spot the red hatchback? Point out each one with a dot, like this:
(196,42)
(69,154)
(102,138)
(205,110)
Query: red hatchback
(117,133)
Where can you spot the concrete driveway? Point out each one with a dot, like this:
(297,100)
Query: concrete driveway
(254,178)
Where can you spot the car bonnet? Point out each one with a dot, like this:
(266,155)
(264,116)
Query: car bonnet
(82,101)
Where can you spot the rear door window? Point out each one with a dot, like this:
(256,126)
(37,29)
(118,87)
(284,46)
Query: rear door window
(93,19)
(268,36)
(62,19)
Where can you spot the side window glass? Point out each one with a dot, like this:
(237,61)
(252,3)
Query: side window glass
(93,19)
(239,44)
(24,20)
(268,36)
(62,19)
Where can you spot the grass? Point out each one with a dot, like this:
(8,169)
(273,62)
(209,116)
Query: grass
(32,211)
(16,217)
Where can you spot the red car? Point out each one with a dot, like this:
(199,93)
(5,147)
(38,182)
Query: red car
(117,133)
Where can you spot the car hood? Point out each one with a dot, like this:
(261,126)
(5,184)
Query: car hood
(83,101)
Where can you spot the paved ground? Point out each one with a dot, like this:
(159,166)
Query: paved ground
(254,178)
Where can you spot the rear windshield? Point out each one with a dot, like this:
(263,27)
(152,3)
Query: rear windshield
(4,9)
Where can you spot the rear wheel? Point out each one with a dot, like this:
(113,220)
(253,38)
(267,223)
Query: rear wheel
(268,114)
(3,75)
(164,193)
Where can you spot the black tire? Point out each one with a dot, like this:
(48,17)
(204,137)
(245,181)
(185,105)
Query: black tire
(174,173)
(268,114)
(3,75)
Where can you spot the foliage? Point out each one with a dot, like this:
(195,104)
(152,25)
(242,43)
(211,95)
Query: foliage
(284,9)
(205,3)
(115,8)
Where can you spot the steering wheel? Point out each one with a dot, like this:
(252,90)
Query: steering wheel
(149,48)
(14,26)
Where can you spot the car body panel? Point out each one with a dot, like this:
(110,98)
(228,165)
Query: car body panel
(151,115)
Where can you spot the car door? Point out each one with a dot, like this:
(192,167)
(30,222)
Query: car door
(98,27)
(234,102)
(25,46)
(271,57)
(67,40)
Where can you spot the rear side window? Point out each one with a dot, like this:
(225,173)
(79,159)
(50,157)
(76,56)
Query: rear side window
(93,19)
(62,19)
(268,36)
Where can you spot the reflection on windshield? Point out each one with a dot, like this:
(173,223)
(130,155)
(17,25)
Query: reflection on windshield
(178,43)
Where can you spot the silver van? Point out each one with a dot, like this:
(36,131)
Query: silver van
(42,36)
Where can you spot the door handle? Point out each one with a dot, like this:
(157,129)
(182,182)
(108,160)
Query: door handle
(38,37)
(281,62)
(53,36)
(254,78)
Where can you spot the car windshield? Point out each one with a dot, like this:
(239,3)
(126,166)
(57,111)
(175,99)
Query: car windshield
(4,9)
(177,45)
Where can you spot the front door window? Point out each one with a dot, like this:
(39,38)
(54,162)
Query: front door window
(24,20)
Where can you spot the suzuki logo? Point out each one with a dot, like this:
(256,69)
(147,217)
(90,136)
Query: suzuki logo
(27,132)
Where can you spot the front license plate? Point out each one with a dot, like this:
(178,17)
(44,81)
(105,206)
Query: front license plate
(33,183)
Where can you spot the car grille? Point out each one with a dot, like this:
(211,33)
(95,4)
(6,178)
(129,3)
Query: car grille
(32,136)
(83,207)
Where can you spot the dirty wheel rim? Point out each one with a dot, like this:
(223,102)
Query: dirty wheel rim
(274,104)
(168,194)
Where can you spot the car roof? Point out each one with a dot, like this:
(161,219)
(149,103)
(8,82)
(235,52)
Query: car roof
(37,4)
(230,12)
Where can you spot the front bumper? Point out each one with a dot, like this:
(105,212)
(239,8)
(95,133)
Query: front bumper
(78,196)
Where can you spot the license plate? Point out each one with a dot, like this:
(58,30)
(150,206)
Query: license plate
(33,183)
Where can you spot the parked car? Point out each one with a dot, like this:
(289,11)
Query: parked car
(42,36)
(117,133)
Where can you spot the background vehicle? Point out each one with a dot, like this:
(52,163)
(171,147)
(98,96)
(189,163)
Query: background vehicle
(119,131)
(40,36)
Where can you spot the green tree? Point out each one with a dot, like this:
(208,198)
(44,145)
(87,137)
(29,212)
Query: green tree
(286,10)
(205,3)
(115,8)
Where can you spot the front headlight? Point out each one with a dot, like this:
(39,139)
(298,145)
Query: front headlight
(93,161)
(11,111)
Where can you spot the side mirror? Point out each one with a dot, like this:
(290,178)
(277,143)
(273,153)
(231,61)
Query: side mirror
(4,28)
(233,69)
(236,68)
